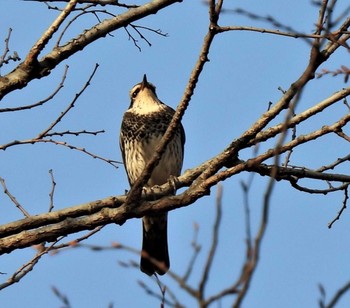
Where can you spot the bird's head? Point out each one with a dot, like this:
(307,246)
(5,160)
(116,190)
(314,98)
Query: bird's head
(144,98)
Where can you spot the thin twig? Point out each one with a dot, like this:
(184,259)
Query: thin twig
(317,191)
(52,192)
(95,2)
(7,49)
(70,106)
(113,163)
(246,188)
(214,244)
(42,102)
(196,249)
(63,298)
(156,295)
(337,296)
(75,18)
(75,133)
(343,71)
(294,129)
(13,199)
(345,201)
(45,38)
(130,37)
(334,164)
(77,243)
(162,289)
(29,266)
(14,57)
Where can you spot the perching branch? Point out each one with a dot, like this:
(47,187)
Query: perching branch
(198,181)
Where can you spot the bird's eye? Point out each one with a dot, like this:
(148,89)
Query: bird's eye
(134,94)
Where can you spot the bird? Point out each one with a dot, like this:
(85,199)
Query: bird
(143,125)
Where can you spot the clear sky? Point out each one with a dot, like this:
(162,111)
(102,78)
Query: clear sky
(242,77)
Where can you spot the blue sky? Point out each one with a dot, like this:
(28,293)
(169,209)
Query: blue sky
(243,75)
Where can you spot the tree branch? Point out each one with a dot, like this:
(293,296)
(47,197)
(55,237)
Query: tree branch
(45,38)
(24,73)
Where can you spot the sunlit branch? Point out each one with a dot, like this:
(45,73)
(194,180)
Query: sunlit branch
(45,38)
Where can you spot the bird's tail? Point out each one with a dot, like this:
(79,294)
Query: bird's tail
(155,256)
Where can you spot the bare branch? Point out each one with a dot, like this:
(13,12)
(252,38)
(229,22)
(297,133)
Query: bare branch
(136,189)
(42,102)
(29,266)
(214,244)
(24,73)
(343,70)
(253,258)
(317,108)
(95,2)
(161,297)
(76,133)
(7,49)
(130,37)
(112,162)
(196,249)
(71,105)
(342,135)
(199,180)
(136,28)
(246,187)
(294,173)
(334,164)
(13,199)
(75,18)
(77,242)
(14,57)
(52,192)
(63,298)
(278,32)
(321,21)
(44,39)
(336,298)
(345,201)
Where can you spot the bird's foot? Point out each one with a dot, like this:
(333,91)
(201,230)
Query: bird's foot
(174,183)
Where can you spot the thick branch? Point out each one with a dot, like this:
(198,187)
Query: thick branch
(48,226)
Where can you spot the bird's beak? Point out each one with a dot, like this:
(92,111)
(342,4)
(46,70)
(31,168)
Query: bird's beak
(144,83)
